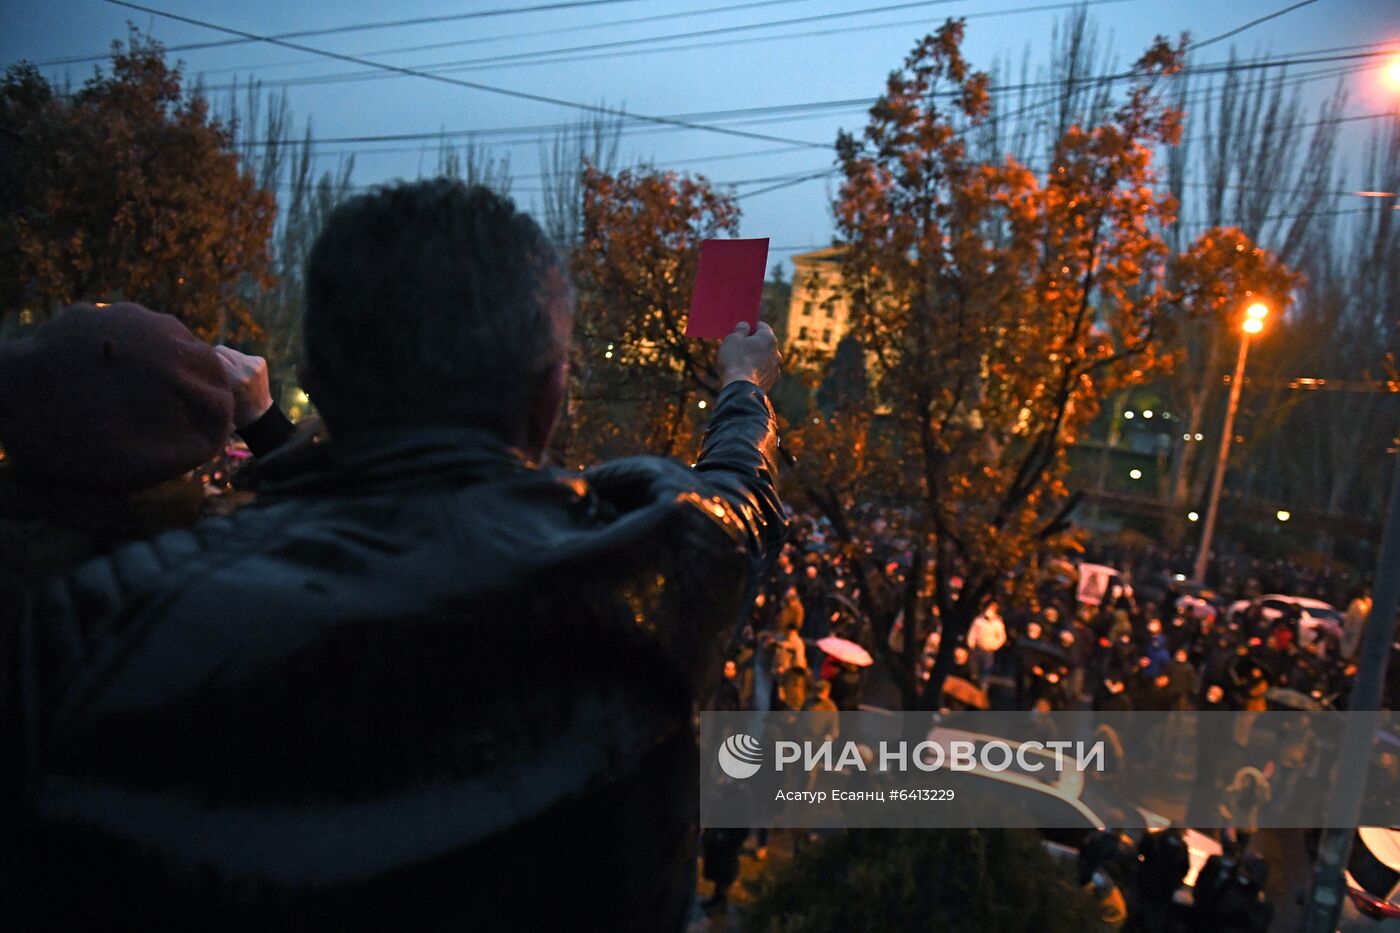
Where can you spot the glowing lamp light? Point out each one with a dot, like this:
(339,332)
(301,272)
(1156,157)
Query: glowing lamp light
(1148,413)
(1193,516)
(702,403)
(1135,474)
(1258,311)
(1128,415)
(1283,515)
(1253,325)
(1392,73)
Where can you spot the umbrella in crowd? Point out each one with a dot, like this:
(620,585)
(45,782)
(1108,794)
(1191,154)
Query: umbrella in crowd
(1285,698)
(965,692)
(847,652)
(1042,652)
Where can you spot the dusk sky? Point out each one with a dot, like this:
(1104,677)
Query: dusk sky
(723,56)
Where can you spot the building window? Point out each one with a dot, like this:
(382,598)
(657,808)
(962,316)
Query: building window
(806,309)
(831,311)
(801,333)
(826,335)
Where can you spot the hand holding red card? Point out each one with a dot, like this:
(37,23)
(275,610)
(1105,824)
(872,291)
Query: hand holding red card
(728,287)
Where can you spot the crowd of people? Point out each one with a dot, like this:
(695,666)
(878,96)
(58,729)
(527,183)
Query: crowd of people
(1157,645)
(1149,641)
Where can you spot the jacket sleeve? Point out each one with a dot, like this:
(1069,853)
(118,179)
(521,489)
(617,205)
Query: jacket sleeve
(738,461)
(720,516)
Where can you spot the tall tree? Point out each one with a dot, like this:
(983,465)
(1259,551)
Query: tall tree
(634,269)
(999,310)
(129,189)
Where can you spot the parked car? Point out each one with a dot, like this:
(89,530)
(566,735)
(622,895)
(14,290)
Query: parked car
(1373,882)
(1316,617)
(1065,805)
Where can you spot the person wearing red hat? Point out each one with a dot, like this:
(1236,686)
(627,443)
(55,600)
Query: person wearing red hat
(103,412)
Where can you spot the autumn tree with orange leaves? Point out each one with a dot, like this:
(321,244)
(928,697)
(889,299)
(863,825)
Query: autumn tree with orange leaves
(999,308)
(128,189)
(637,380)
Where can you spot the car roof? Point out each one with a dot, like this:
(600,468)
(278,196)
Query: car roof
(1303,601)
(1384,844)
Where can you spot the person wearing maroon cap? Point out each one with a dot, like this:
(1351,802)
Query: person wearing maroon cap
(102,413)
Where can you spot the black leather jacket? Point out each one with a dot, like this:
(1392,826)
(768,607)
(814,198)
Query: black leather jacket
(419,685)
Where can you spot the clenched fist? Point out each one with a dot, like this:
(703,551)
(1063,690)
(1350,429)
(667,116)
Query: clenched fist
(247,380)
(745,357)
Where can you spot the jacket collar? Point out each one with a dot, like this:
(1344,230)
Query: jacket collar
(391,459)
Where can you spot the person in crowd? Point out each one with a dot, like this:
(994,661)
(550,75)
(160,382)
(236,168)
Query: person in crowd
(828,722)
(297,667)
(1163,863)
(789,651)
(846,687)
(720,848)
(1112,697)
(1244,799)
(1229,895)
(962,665)
(985,638)
(793,614)
(728,696)
(1354,623)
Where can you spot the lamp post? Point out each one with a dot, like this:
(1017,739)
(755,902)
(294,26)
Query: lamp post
(1253,324)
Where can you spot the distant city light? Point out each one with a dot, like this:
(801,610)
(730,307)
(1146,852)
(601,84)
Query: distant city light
(1186,437)
(1283,515)
(702,403)
(1258,311)
(1193,516)
(608,355)
(1253,326)
(1200,437)
(1135,474)
(1128,415)
(1148,413)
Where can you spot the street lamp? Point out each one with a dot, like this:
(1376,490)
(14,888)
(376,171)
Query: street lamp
(1254,317)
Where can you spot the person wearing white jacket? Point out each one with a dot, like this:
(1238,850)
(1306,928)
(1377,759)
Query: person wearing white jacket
(985,638)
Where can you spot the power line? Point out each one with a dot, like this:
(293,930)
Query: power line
(816,108)
(473,85)
(479,40)
(358,27)
(1213,39)
(1249,25)
(482,64)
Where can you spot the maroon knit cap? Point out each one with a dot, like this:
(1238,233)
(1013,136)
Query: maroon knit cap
(113,398)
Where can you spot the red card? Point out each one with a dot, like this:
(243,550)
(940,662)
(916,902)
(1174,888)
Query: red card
(728,287)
